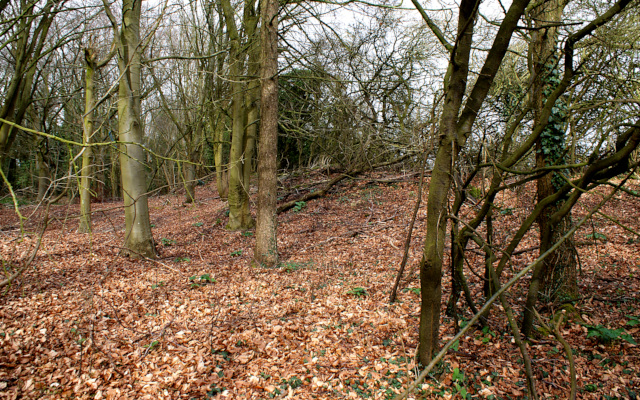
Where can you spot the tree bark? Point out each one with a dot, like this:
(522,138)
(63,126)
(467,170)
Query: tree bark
(557,275)
(138,237)
(222,174)
(42,167)
(455,128)
(87,133)
(41,150)
(241,145)
(266,252)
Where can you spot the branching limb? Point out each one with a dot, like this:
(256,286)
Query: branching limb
(496,296)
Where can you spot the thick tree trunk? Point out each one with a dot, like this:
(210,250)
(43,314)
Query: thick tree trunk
(138,237)
(87,133)
(266,252)
(556,276)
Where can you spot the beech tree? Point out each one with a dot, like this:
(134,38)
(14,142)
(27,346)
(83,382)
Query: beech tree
(86,171)
(138,237)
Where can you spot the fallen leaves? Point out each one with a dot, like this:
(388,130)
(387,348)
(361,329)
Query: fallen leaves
(87,323)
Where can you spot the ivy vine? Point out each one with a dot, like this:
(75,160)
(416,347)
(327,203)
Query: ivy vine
(553,145)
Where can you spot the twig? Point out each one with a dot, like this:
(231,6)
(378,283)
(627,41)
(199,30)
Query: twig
(407,242)
(567,350)
(33,255)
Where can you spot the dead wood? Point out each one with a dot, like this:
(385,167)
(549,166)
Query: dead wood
(322,192)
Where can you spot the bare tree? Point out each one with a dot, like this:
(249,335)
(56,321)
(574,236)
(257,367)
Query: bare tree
(266,251)
(138,237)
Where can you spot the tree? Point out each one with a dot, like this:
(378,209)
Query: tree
(244,112)
(456,123)
(456,126)
(138,237)
(266,252)
(27,37)
(559,275)
(87,133)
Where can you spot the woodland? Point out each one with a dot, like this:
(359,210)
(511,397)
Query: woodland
(319,200)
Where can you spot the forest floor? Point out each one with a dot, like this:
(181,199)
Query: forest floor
(202,322)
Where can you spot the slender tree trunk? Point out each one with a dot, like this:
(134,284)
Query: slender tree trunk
(222,173)
(42,167)
(219,117)
(114,174)
(190,173)
(41,150)
(252,99)
(190,182)
(87,133)
(241,146)
(266,252)
(455,128)
(239,218)
(432,256)
(138,237)
(431,263)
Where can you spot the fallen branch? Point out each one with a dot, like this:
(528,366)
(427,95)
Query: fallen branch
(403,178)
(322,192)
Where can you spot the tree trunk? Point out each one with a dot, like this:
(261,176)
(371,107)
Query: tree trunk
(87,133)
(455,128)
(431,263)
(222,173)
(138,237)
(42,167)
(238,197)
(239,215)
(432,256)
(26,50)
(190,183)
(266,252)
(557,275)
(41,150)
(114,174)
